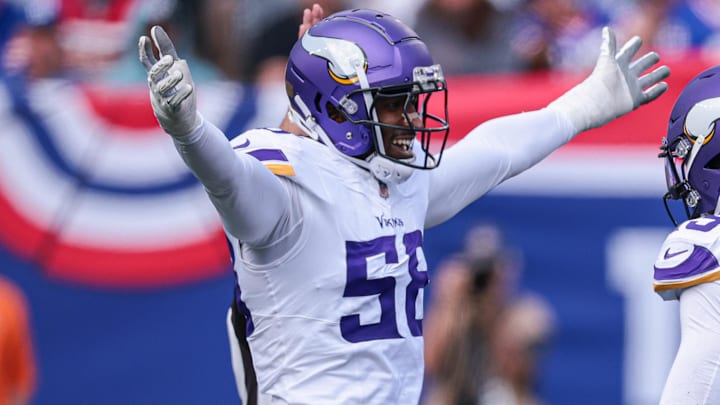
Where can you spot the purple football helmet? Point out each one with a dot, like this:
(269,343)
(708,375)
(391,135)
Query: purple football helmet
(692,149)
(344,64)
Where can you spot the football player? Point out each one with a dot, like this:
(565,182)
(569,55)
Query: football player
(687,268)
(325,216)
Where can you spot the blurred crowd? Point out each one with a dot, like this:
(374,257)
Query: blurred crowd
(247,40)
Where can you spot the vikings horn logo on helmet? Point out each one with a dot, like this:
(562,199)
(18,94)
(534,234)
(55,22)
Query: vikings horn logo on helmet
(342,56)
(700,120)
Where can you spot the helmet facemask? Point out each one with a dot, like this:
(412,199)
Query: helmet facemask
(419,123)
(677,164)
(691,148)
(341,72)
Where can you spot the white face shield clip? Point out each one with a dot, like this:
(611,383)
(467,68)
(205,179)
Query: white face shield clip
(429,77)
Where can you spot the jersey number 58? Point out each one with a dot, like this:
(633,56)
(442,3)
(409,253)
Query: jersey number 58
(359,285)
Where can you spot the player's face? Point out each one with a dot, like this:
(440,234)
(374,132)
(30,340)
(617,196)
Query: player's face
(399,111)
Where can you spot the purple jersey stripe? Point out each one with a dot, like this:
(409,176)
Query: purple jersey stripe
(700,261)
(268,154)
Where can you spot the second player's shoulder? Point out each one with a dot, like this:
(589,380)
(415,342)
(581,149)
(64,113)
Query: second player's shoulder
(703,230)
(699,233)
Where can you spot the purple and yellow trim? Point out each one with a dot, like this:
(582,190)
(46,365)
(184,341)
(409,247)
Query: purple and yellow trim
(275,160)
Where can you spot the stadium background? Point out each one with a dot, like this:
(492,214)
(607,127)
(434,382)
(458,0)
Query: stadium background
(128,281)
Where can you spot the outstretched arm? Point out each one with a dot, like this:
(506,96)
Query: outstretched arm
(234,182)
(502,148)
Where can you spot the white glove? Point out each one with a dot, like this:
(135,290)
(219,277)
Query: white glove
(172,91)
(615,87)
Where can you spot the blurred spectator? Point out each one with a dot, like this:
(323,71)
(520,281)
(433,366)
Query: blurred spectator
(93,33)
(469,36)
(483,338)
(217,36)
(12,18)
(35,52)
(521,334)
(69,38)
(673,27)
(405,10)
(17,364)
(471,290)
(557,34)
(96,40)
(270,46)
(201,30)
(77,39)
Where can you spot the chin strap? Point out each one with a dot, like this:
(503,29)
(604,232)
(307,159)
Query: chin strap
(387,171)
(305,120)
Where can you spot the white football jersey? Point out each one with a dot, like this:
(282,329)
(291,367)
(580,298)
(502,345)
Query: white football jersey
(329,263)
(337,318)
(689,256)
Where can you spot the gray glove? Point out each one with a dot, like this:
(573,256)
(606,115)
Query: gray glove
(172,91)
(615,87)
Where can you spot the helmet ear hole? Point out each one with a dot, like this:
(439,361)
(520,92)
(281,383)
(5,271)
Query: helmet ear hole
(334,113)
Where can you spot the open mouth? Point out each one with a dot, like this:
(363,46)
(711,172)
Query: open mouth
(401,147)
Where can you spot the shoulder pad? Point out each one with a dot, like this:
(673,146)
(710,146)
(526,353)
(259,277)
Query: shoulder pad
(689,256)
(268,146)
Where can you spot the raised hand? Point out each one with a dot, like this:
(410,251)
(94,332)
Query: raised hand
(642,88)
(616,86)
(172,91)
(310,17)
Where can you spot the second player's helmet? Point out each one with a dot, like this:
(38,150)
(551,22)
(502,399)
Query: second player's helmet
(342,65)
(692,147)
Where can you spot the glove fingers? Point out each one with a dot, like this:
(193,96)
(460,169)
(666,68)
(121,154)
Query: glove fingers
(163,42)
(644,62)
(159,70)
(628,50)
(168,83)
(654,77)
(654,92)
(181,94)
(147,58)
(608,42)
